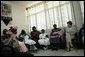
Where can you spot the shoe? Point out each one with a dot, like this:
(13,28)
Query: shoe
(56,49)
(35,48)
(71,48)
(45,48)
(68,50)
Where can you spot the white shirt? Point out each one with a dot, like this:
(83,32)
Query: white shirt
(43,36)
(70,32)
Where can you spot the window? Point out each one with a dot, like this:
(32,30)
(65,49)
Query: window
(51,17)
(56,17)
(41,23)
(44,15)
(64,14)
(33,20)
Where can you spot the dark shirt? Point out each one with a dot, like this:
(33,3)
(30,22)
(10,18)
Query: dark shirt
(5,39)
(35,35)
(81,32)
(55,36)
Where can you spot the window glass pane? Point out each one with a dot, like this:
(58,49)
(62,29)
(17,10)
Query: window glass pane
(64,15)
(69,12)
(59,16)
(48,20)
(33,20)
(56,17)
(38,21)
(41,21)
(51,17)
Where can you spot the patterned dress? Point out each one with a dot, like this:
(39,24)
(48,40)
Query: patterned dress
(56,34)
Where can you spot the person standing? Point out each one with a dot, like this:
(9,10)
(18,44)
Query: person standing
(70,34)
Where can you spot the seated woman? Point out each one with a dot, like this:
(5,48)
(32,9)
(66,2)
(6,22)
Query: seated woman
(6,50)
(18,46)
(27,39)
(55,37)
(44,40)
(23,49)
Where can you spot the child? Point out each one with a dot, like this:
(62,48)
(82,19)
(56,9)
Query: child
(44,40)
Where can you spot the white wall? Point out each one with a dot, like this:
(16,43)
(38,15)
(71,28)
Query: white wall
(18,15)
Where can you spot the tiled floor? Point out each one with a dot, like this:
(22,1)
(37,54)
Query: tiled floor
(79,52)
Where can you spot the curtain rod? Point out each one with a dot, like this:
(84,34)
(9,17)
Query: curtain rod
(36,5)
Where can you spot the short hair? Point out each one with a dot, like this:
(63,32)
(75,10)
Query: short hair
(42,30)
(33,27)
(54,25)
(69,22)
(23,32)
(4,31)
(83,25)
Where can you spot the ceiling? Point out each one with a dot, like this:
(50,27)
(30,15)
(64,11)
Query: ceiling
(26,3)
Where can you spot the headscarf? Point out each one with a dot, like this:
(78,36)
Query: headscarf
(13,29)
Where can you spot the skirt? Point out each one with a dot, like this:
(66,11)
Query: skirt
(44,41)
(54,40)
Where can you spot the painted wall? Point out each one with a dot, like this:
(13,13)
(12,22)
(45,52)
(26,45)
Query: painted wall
(18,15)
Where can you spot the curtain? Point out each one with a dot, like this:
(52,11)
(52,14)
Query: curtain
(82,9)
(44,15)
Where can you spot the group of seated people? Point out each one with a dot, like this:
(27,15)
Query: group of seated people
(11,45)
(40,40)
